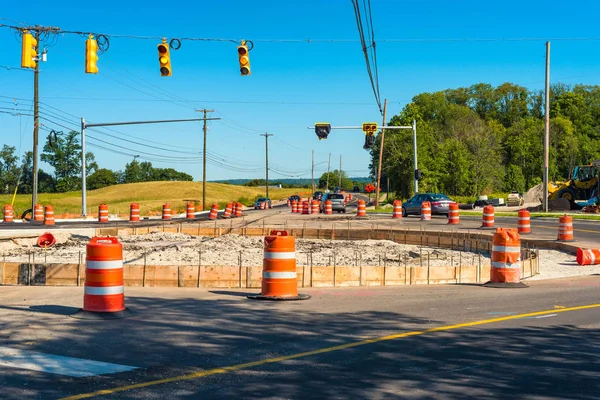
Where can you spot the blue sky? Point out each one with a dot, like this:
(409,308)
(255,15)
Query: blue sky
(292,85)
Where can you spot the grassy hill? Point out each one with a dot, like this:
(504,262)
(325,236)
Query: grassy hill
(150,195)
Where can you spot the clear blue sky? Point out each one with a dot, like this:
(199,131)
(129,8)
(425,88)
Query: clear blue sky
(292,85)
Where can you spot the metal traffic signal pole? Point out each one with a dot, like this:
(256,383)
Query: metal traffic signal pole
(84,125)
(266,135)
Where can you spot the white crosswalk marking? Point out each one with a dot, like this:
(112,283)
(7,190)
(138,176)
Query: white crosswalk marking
(76,367)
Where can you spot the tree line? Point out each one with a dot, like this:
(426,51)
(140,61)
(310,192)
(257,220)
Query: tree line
(484,139)
(63,153)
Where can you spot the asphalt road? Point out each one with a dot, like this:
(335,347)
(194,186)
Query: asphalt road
(455,341)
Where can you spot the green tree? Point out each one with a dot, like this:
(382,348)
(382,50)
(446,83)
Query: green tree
(63,153)
(514,179)
(334,179)
(101,178)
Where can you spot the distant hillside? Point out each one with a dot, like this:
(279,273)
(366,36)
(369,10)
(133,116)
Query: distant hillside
(295,182)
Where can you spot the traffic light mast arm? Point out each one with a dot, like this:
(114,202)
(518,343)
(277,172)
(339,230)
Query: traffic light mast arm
(386,127)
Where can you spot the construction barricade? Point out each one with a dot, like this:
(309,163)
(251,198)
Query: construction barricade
(305,207)
(9,214)
(279,280)
(397,210)
(134,212)
(328,207)
(166,212)
(565,229)
(190,210)
(425,211)
(588,256)
(487,221)
(294,206)
(38,213)
(238,209)
(453,214)
(505,271)
(214,211)
(315,207)
(48,215)
(361,208)
(524,222)
(104,296)
(289,203)
(228,211)
(103,213)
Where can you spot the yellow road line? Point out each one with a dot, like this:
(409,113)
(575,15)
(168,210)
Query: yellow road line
(233,368)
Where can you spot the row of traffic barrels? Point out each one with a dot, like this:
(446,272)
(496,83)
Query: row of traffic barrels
(41,214)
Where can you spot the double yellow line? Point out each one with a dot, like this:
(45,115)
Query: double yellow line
(233,368)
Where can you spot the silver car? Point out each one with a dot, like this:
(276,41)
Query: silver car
(337,202)
(440,204)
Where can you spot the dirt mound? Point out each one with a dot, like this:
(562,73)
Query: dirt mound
(535,194)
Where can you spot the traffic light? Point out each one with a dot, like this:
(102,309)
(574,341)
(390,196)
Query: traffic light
(322,129)
(164,58)
(91,55)
(244,59)
(369,128)
(418,174)
(28,51)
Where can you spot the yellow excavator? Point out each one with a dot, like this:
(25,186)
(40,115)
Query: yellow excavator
(583,186)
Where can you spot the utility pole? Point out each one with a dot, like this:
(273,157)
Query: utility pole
(36,116)
(204,161)
(380,155)
(340,174)
(36,124)
(328,164)
(266,135)
(312,172)
(547,127)
(83,173)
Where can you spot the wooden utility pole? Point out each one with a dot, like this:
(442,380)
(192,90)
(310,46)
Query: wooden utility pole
(266,135)
(380,155)
(340,174)
(36,124)
(204,160)
(312,172)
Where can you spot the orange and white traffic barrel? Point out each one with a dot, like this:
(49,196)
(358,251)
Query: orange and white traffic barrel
(453,214)
(214,211)
(350,196)
(279,280)
(228,211)
(38,213)
(524,222)
(588,256)
(289,203)
(49,215)
(397,211)
(305,207)
(361,208)
(328,207)
(103,213)
(263,205)
(238,209)
(134,212)
(315,207)
(190,210)
(565,229)
(425,211)
(294,206)
(166,212)
(505,268)
(104,295)
(8,215)
(487,221)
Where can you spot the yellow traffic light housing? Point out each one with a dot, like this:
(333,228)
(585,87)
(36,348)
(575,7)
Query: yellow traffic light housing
(244,59)
(164,58)
(91,55)
(369,128)
(28,51)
